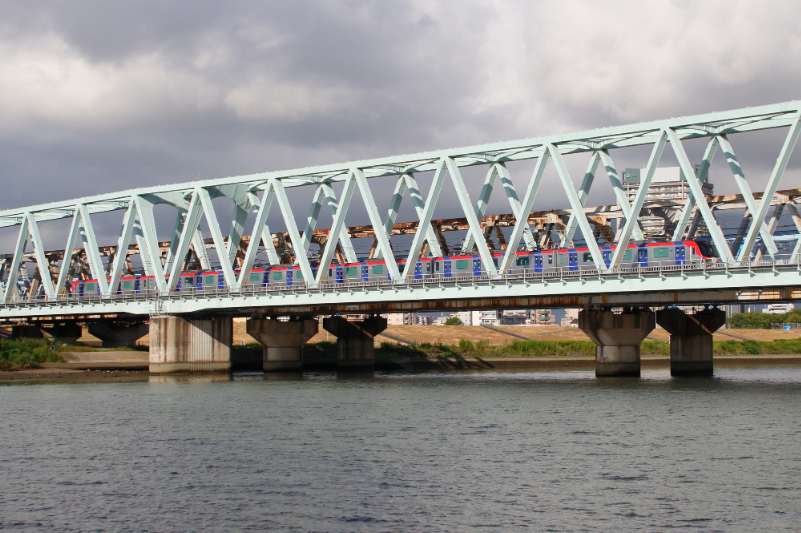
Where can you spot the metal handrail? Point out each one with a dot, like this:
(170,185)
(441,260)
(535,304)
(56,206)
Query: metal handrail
(559,273)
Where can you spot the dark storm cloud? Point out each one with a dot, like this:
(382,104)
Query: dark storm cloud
(101,96)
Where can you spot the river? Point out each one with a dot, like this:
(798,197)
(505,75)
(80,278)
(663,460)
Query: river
(484,451)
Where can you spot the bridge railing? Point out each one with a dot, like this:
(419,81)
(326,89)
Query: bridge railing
(559,273)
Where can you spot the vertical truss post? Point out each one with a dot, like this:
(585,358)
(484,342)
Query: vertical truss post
(336,228)
(770,188)
(66,262)
(425,219)
(578,208)
(521,215)
(259,226)
(41,258)
(89,240)
(121,255)
(695,188)
(745,190)
(639,198)
(16,262)
(474,224)
(375,220)
(702,176)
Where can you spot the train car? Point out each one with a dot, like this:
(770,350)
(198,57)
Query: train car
(188,281)
(210,281)
(128,285)
(85,287)
(258,277)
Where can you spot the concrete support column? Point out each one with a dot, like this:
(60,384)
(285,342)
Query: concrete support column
(116,335)
(691,339)
(355,345)
(63,332)
(179,344)
(618,338)
(282,342)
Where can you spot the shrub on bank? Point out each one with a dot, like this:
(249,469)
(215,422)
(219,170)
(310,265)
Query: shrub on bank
(27,353)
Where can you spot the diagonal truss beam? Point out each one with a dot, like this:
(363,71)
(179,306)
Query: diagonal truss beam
(336,229)
(770,188)
(700,200)
(425,219)
(702,176)
(41,258)
(639,198)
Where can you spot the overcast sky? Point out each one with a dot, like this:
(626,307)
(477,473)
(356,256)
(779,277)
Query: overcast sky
(99,96)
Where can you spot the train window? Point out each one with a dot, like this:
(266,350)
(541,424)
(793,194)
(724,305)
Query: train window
(428,267)
(476,263)
(561,259)
(277,276)
(661,252)
(298,274)
(378,269)
(90,287)
(680,252)
(523,261)
(574,258)
(128,284)
(627,255)
(254,276)
(538,260)
(461,264)
(209,280)
(550,259)
(329,273)
(353,271)
(587,257)
(436,266)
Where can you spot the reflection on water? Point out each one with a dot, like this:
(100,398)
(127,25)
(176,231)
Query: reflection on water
(447,451)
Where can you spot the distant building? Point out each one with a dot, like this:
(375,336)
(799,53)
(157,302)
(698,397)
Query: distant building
(571,318)
(400,319)
(668,186)
(778,309)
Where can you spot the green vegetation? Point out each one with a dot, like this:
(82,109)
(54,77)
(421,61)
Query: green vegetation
(763,320)
(27,353)
(454,321)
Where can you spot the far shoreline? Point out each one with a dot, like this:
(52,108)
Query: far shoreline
(64,373)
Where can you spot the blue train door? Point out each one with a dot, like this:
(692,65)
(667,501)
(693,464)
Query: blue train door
(476,266)
(339,274)
(642,256)
(365,272)
(573,260)
(537,262)
(680,251)
(288,277)
(607,254)
(418,270)
(446,267)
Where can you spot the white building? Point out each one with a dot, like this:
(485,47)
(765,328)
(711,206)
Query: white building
(571,318)
(778,309)
(400,319)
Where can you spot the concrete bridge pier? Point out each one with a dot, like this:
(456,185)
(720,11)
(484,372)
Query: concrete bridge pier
(64,332)
(355,344)
(282,342)
(617,338)
(691,345)
(189,344)
(116,335)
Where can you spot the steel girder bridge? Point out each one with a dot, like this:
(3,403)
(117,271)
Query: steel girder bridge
(749,269)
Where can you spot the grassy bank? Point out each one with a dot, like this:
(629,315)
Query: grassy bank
(483,349)
(27,353)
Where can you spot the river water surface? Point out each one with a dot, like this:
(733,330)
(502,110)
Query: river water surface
(538,451)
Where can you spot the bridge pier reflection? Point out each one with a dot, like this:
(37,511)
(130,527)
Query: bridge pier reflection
(691,346)
(282,341)
(179,344)
(617,338)
(355,344)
